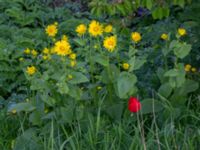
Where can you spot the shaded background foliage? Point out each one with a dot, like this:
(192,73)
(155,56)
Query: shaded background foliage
(21,20)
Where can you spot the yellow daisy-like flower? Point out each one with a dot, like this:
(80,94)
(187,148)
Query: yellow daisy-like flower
(62,48)
(81,29)
(110,43)
(72,63)
(125,66)
(108,28)
(182,31)
(31,70)
(188,67)
(136,37)
(27,51)
(164,36)
(194,69)
(72,56)
(45,51)
(51,30)
(95,28)
(34,53)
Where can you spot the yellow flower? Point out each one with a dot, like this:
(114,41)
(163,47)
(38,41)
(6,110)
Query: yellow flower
(136,37)
(125,66)
(182,31)
(52,50)
(164,36)
(46,110)
(45,51)
(188,67)
(21,59)
(27,51)
(70,77)
(34,53)
(51,30)
(46,57)
(72,56)
(110,43)
(99,87)
(194,69)
(14,111)
(65,38)
(108,28)
(62,48)
(56,23)
(72,63)
(81,29)
(95,28)
(30,70)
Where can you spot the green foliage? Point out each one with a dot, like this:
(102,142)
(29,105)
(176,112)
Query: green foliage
(159,9)
(84,106)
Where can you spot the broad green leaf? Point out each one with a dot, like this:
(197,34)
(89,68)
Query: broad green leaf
(150,106)
(101,59)
(165,90)
(125,84)
(62,87)
(78,77)
(27,107)
(171,73)
(136,63)
(188,87)
(182,51)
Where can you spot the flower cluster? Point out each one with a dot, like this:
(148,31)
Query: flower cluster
(189,68)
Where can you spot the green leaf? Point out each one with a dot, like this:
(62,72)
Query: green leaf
(150,106)
(188,87)
(149,4)
(80,42)
(125,84)
(101,59)
(171,73)
(67,114)
(182,51)
(78,77)
(35,118)
(115,111)
(75,92)
(62,88)
(48,100)
(165,90)
(136,63)
(27,107)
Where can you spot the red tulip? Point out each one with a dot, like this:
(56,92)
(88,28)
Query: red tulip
(134,104)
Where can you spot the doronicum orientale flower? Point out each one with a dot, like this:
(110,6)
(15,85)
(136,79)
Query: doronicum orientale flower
(95,28)
(51,30)
(136,37)
(62,48)
(108,28)
(31,70)
(110,43)
(125,66)
(182,31)
(164,36)
(81,29)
